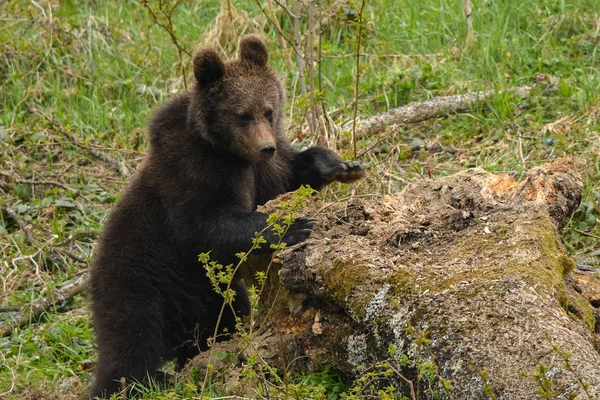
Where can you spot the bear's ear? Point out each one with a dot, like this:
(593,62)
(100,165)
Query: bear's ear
(208,67)
(253,49)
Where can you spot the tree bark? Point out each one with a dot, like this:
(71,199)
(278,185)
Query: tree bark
(473,262)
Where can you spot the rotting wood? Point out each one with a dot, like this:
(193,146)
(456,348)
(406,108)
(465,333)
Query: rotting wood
(473,261)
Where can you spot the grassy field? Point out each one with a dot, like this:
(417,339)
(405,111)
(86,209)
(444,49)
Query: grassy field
(79,80)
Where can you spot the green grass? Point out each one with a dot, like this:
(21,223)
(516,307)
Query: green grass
(84,76)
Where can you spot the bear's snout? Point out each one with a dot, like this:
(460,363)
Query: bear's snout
(267,149)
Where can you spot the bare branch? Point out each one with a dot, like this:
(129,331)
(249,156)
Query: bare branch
(44,182)
(359,38)
(286,9)
(170,29)
(468,7)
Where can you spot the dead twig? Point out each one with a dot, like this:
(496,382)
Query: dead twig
(413,396)
(297,46)
(120,167)
(18,180)
(468,8)
(31,241)
(358,43)
(44,182)
(26,229)
(313,116)
(71,255)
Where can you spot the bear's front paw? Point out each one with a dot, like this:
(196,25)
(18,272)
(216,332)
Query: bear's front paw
(345,172)
(299,231)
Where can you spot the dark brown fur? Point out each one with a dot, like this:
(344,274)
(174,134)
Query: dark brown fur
(209,165)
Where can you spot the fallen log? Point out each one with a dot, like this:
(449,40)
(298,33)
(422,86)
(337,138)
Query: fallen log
(436,107)
(457,283)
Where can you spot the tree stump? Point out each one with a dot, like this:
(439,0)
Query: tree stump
(465,275)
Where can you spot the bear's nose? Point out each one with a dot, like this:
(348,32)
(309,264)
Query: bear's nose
(267,149)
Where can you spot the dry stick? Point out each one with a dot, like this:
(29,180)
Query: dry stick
(70,254)
(10,308)
(60,296)
(36,182)
(360,25)
(120,167)
(285,8)
(425,110)
(296,46)
(468,7)
(277,27)
(51,183)
(32,242)
(280,37)
(27,230)
(313,116)
(123,382)
(299,59)
(325,115)
(413,396)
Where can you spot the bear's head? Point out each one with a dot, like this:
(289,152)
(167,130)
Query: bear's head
(238,105)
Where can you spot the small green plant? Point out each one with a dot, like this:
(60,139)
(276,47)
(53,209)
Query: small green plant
(485,377)
(585,386)
(543,377)
(222,277)
(540,376)
(426,384)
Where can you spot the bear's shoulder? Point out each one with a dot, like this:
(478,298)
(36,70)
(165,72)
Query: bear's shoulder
(169,118)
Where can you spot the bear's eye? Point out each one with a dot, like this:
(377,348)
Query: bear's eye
(269,115)
(245,119)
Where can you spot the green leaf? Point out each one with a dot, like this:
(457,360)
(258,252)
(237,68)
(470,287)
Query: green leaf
(64,203)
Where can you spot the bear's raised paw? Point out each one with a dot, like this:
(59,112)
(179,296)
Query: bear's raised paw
(346,172)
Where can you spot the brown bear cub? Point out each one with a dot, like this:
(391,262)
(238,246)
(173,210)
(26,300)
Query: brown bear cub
(215,153)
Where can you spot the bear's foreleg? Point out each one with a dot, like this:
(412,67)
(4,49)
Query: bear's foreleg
(233,232)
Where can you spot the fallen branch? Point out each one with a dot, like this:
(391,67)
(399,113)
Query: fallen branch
(26,229)
(120,167)
(434,108)
(46,182)
(57,298)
